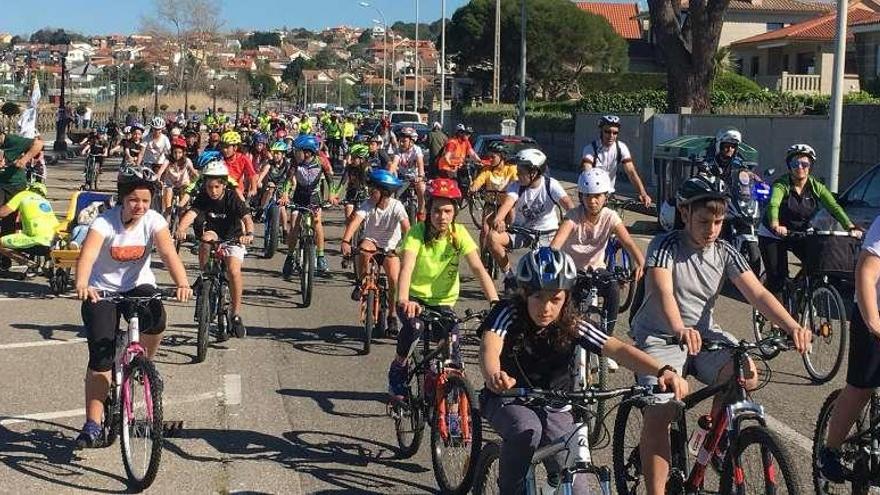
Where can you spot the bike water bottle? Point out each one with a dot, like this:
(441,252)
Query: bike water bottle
(704,424)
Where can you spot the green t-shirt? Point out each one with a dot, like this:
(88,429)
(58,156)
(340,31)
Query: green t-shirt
(435,276)
(13,147)
(37,217)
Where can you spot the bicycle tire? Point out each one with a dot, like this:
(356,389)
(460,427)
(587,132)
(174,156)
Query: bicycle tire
(270,239)
(625,456)
(223,301)
(457,482)
(769,444)
(369,319)
(143,367)
(203,306)
(307,272)
(475,208)
(110,421)
(596,415)
(624,261)
(409,419)
(839,314)
(762,329)
(486,477)
(173,220)
(820,485)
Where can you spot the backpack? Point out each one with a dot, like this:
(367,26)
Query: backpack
(596,154)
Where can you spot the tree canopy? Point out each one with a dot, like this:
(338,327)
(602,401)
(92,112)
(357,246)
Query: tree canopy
(292,74)
(426,31)
(563,42)
(261,38)
(56,36)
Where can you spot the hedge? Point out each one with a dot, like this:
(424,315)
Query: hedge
(620,82)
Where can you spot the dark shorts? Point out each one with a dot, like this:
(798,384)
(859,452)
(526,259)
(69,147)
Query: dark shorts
(101,320)
(863,369)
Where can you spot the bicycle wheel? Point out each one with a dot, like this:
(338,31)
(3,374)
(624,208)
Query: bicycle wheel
(141,420)
(110,422)
(825,316)
(597,376)
(625,456)
(369,306)
(307,272)
(203,308)
(618,258)
(486,478)
(475,208)
(456,436)
(223,300)
(763,329)
(409,420)
(270,239)
(852,455)
(758,463)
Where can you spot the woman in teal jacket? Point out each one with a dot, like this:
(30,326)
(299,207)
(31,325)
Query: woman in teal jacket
(794,199)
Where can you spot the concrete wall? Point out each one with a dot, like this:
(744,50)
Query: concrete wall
(860,143)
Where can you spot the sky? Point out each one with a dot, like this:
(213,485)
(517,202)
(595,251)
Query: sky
(123,16)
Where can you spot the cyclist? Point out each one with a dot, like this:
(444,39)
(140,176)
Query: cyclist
(239,165)
(609,154)
(794,198)
(333,134)
(349,129)
(305,182)
(863,368)
(585,232)
(385,222)
(724,155)
(157,148)
(176,174)
(354,179)
(495,176)
(38,221)
(685,271)
(457,149)
(534,197)
(305,124)
(131,146)
(213,143)
(409,164)
(116,257)
(259,153)
(193,145)
(97,148)
(378,156)
(528,341)
(432,252)
(224,214)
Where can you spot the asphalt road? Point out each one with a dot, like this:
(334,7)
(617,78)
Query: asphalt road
(293,408)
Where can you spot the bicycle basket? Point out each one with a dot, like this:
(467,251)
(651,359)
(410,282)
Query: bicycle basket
(831,254)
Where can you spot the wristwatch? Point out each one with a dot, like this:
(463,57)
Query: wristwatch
(664,370)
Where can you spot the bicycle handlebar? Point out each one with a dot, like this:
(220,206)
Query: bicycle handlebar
(432,315)
(589,395)
(821,233)
(535,234)
(161,294)
(775,343)
(592,277)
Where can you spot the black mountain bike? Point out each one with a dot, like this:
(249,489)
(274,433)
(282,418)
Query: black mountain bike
(213,299)
(860,451)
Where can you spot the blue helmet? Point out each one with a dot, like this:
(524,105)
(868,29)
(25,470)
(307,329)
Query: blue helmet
(380,177)
(261,138)
(306,142)
(207,157)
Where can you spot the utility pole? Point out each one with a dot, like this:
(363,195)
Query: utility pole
(416,85)
(155,92)
(522,73)
(442,61)
(496,72)
(116,97)
(837,94)
(61,125)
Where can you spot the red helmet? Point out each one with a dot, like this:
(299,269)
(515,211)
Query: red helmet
(444,188)
(280,133)
(178,142)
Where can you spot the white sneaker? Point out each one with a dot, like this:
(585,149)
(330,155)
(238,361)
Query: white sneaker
(612,365)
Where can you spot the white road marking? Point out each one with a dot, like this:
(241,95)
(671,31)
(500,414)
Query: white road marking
(232,390)
(789,433)
(72,413)
(41,343)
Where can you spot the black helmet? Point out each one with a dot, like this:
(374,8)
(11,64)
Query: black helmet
(496,147)
(701,187)
(131,178)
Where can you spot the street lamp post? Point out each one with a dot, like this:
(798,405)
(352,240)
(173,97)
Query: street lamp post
(61,124)
(384,52)
(442,61)
(416,85)
(522,73)
(214,97)
(155,92)
(116,97)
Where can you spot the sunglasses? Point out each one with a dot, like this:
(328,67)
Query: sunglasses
(800,164)
(611,133)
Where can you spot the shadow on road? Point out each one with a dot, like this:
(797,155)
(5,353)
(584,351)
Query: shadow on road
(333,340)
(48,331)
(325,400)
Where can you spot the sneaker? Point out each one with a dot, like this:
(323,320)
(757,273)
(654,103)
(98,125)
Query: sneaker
(356,293)
(287,269)
(612,365)
(392,329)
(397,380)
(90,436)
(322,265)
(238,327)
(830,466)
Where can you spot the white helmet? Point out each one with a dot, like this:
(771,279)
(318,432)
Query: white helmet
(216,168)
(731,136)
(157,123)
(532,158)
(594,181)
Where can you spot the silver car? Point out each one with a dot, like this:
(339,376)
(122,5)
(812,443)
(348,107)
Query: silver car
(861,201)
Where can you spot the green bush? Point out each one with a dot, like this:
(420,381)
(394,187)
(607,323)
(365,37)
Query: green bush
(163,107)
(629,102)
(734,83)
(10,108)
(622,82)
(540,116)
(132,109)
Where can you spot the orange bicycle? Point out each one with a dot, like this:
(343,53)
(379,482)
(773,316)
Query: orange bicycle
(374,305)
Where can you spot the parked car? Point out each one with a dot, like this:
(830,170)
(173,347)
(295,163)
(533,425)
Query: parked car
(511,143)
(398,117)
(421,129)
(861,201)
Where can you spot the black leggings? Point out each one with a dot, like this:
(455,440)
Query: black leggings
(774,252)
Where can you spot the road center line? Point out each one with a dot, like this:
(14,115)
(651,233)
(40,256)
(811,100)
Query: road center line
(789,433)
(232,390)
(41,343)
(72,413)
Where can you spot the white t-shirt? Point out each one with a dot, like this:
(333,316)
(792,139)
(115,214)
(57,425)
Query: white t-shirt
(871,244)
(382,226)
(409,161)
(87,114)
(535,209)
(123,262)
(156,152)
(607,157)
(587,241)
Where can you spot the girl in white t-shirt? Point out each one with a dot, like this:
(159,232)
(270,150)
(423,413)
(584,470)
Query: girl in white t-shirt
(385,222)
(585,232)
(157,148)
(115,257)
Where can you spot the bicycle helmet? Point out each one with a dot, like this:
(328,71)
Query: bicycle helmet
(460,128)
(131,178)
(279,146)
(230,137)
(194,119)
(178,142)
(360,150)
(137,126)
(260,138)
(126,129)
(609,120)
(306,142)
(533,159)
(207,157)
(444,188)
(216,168)
(377,139)
(701,187)
(727,136)
(546,269)
(384,179)
(594,181)
(797,150)
(496,147)
(102,130)
(157,123)
(410,133)
(39,188)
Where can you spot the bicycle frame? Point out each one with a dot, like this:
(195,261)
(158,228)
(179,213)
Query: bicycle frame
(579,459)
(372,281)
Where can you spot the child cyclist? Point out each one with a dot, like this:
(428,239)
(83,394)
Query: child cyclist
(385,221)
(432,252)
(305,179)
(528,341)
(584,236)
(224,214)
(685,271)
(116,257)
(494,178)
(176,174)
(273,177)
(354,179)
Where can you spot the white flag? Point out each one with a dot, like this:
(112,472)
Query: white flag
(27,122)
